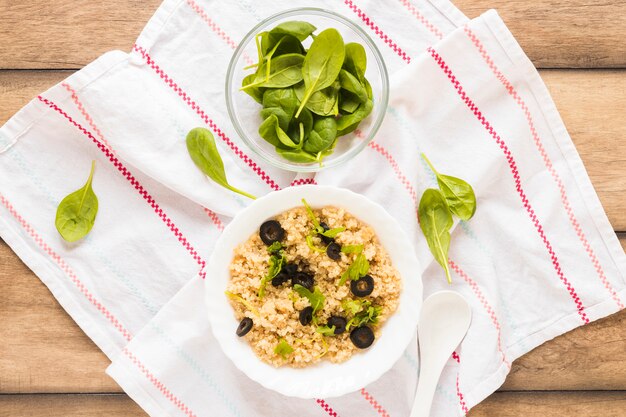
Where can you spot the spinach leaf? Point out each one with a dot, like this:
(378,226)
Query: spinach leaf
(203,152)
(289,45)
(322,63)
(435,222)
(348,102)
(286,70)
(356,60)
(298,29)
(323,102)
(352,120)
(298,156)
(283,349)
(322,136)
(306,121)
(271,131)
(350,83)
(76,214)
(458,194)
(368,88)
(283,118)
(253,91)
(285,98)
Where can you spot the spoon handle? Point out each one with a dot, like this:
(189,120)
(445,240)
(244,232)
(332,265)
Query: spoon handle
(426,385)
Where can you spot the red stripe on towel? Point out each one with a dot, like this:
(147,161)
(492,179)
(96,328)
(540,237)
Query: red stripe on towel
(216,28)
(516,176)
(379,408)
(66,269)
(423,20)
(382,35)
(86,115)
(486,306)
(547,161)
(133,181)
(216,220)
(326,407)
(159,385)
(303,181)
(203,115)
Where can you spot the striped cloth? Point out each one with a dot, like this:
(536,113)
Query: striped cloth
(538,259)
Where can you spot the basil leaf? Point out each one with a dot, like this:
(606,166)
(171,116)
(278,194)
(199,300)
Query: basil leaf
(285,98)
(281,115)
(355,61)
(458,194)
(322,136)
(76,214)
(325,330)
(298,29)
(298,156)
(435,222)
(349,120)
(253,91)
(286,70)
(350,83)
(203,152)
(322,63)
(283,349)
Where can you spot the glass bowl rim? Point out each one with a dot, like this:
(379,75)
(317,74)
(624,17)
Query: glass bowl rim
(350,153)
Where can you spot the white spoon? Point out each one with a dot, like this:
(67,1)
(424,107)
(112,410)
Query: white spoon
(443,323)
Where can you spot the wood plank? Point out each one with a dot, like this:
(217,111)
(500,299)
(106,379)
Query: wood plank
(553,404)
(558,34)
(71,33)
(591,103)
(43,350)
(71,405)
(501,404)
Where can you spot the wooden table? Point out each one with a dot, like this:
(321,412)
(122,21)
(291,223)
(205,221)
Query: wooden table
(48,367)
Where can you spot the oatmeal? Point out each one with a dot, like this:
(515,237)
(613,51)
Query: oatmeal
(312,285)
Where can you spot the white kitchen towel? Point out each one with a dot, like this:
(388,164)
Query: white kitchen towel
(538,259)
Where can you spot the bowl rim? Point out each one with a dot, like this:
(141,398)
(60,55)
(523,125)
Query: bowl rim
(359,370)
(353,151)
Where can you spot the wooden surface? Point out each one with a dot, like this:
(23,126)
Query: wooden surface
(48,367)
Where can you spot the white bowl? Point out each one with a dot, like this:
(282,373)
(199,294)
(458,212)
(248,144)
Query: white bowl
(325,379)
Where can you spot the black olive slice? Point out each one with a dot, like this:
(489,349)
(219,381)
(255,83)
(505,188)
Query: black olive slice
(244,326)
(362,337)
(271,231)
(363,286)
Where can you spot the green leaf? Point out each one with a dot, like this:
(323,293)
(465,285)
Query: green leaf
(316,298)
(324,102)
(322,63)
(350,120)
(77,212)
(203,152)
(352,248)
(350,83)
(325,330)
(306,120)
(286,44)
(312,217)
(368,315)
(283,118)
(253,91)
(354,306)
(355,61)
(309,242)
(333,233)
(271,131)
(298,156)
(458,194)
(368,88)
(283,349)
(286,70)
(359,268)
(284,98)
(348,102)
(274,247)
(276,263)
(298,29)
(435,221)
(322,136)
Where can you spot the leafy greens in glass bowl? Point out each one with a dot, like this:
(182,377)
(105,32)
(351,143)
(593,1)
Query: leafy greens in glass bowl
(307,89)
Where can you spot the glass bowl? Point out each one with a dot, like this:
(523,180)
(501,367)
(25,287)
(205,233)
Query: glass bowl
(245,112)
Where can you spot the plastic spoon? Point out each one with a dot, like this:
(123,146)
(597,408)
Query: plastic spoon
(443,323)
